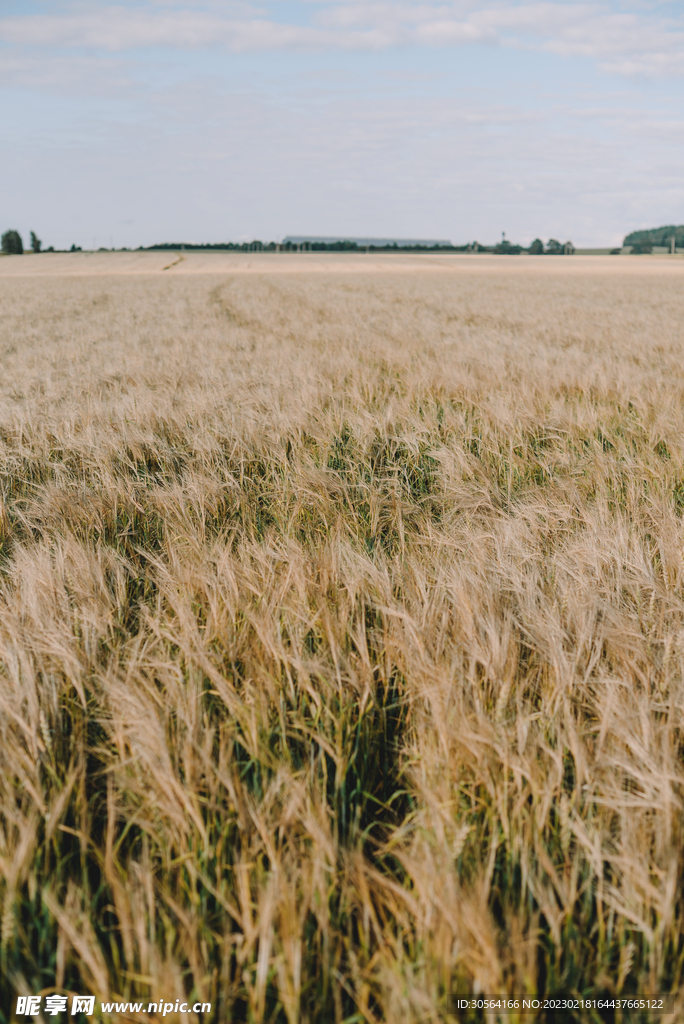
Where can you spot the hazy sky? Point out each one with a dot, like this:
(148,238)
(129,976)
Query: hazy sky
(167,120)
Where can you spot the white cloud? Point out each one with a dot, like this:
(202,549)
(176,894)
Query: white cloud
(68,74)
(622,38)
(120,28)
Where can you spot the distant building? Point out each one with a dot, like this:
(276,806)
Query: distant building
(363,243)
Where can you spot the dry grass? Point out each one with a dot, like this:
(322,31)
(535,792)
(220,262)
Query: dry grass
(341,632)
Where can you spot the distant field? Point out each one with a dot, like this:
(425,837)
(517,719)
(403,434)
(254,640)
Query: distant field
(341,631)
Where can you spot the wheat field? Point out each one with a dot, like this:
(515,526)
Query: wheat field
(341,631)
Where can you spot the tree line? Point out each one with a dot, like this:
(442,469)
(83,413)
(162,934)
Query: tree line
(552,248)
(644,240)
(12,245)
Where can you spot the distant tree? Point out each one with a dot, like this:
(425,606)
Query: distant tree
(75,248)
(537,247)
(553,247)
(506,248)
(12,244)
(35,242)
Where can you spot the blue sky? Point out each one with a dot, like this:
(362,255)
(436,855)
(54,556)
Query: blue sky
(165,120)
